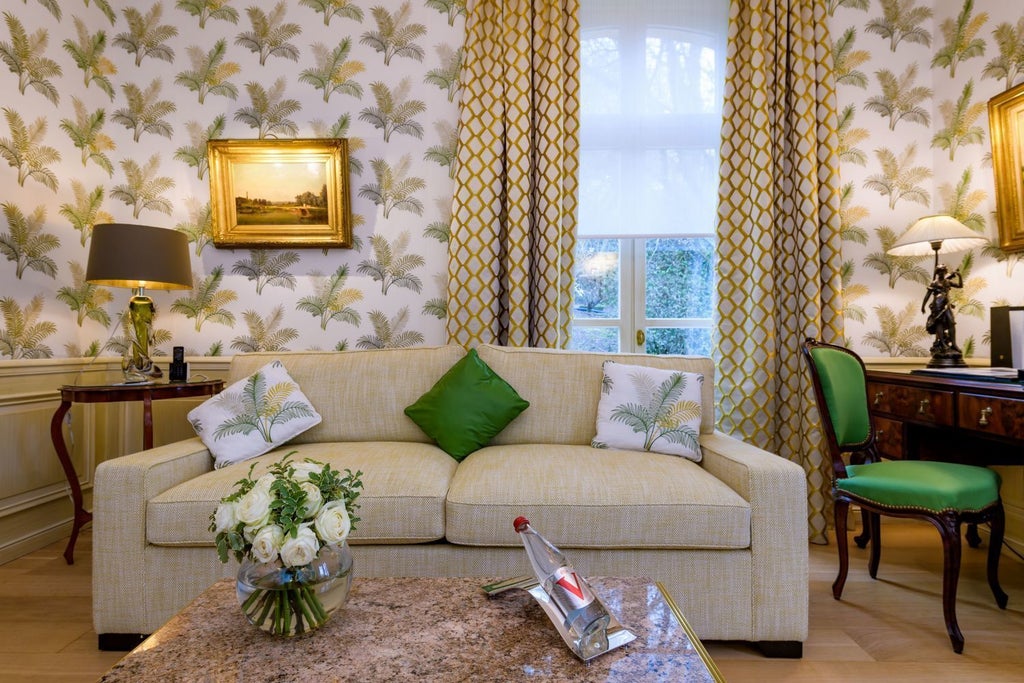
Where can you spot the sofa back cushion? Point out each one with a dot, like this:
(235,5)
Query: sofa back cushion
(564,388)
(361,395)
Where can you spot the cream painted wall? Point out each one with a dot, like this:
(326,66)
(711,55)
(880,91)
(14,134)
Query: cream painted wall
(35,499)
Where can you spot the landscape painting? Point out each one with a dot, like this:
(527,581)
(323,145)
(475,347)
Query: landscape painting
(280,193)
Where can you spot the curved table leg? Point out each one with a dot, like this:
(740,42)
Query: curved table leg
(82,516)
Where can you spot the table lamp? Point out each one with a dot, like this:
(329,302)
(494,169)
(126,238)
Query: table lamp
(139,257)
(939,234)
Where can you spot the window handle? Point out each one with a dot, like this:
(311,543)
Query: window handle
(641,338)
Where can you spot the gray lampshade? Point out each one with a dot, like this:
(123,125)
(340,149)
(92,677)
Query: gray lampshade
(931,234)
(124,255)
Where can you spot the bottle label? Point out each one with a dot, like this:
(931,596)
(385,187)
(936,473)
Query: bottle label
(571,590)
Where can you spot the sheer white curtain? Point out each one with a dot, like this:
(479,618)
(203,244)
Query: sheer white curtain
(652,74)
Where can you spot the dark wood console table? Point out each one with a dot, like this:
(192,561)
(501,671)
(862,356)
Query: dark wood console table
(112,393)
(965,420)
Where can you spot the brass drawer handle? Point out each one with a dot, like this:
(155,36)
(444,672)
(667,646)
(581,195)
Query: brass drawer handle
(878,398)
(983,420)
(878,434)
(922,407)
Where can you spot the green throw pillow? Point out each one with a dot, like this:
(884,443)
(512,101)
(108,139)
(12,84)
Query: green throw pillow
(467,407)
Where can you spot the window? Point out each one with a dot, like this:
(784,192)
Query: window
(652,79)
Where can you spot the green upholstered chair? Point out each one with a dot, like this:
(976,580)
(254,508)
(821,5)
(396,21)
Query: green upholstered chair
(945,494)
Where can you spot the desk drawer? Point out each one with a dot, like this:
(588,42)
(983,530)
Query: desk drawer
(889,438)
(912,404)
(998,416)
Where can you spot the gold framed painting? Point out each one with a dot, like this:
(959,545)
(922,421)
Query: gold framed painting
(280,193)
(1006,120)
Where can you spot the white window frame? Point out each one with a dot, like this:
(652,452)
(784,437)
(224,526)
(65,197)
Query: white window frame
(632,317)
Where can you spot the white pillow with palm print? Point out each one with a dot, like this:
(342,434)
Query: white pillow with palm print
(253,415)
(648,409)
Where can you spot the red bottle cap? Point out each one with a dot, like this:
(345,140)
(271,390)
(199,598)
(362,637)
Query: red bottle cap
(520,524)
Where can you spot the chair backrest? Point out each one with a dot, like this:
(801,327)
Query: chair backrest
(840,386)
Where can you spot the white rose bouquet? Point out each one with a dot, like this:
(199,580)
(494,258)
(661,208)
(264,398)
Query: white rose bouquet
(285,518)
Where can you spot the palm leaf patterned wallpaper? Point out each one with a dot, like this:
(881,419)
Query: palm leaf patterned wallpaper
(108,107)
(914,79)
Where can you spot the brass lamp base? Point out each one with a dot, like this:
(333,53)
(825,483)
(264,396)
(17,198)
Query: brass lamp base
(138,366)
(141,370)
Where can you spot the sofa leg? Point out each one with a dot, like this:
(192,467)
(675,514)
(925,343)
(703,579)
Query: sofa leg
(788,649)
(120,641)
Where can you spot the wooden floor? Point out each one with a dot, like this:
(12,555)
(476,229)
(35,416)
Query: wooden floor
(885,630)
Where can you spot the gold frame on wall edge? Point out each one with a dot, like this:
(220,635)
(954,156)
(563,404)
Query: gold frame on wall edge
(1006,121)
(280,193)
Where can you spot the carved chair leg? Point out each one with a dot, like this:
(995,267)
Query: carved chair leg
(864,537)
(876,544)
(949,528)
(995,547)
(972,535)
(842,508)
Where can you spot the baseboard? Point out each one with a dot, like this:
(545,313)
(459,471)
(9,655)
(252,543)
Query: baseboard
(47,532)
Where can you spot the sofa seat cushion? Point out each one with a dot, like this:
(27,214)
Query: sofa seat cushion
(584,497)
(402,501)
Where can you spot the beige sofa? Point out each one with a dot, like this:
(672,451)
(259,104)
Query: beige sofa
(727,537)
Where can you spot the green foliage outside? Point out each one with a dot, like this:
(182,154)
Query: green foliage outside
(679,284)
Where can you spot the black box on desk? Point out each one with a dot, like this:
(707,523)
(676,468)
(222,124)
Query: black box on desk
(1007,329)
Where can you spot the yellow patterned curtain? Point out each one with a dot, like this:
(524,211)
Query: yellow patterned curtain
(779,231)
(514,212)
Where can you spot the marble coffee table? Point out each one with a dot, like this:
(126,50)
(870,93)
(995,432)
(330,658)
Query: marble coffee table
(421,629)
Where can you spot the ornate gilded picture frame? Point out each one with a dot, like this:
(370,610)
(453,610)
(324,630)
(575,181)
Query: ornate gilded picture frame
(1006,120)
(280,193)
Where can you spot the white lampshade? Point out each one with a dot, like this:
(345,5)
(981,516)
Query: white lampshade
(936,235)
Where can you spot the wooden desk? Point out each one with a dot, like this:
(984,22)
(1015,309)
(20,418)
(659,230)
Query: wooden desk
(929,417)
(112,393)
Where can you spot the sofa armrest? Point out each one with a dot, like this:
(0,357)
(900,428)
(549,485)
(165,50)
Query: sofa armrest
(122,488)
(777,492)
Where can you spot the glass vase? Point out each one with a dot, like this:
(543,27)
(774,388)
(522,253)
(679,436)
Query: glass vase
(288,601)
